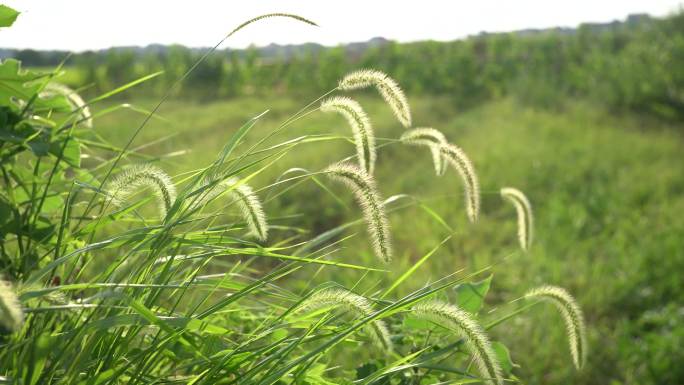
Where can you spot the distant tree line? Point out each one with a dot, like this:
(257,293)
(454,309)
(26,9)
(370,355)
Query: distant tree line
(637,64)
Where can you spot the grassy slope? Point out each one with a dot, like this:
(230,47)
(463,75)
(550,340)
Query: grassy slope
(606,190)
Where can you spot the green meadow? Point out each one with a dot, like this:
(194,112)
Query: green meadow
(605,190)
(172,215)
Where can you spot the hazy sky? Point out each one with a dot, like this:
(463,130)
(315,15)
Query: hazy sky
(91,24)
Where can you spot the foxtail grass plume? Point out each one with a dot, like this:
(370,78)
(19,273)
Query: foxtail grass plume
(11,315)
(211,188)
(431,138)
(145,175)
(357,305)
(524,212)
(363,187)
(471,187)
(75,100)
(361,128)
(249,203)
(572,316)
(250,206)
(476,341)
(267,16)
(386,86)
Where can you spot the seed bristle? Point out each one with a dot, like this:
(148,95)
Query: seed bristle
(145,175)
(363,187)
(471,187)
(75,100)
(11,315)
(523,210)
(572,316)
(362,130)
(353,303)
(476,341)
(386,86)
(432,138)
(250,206)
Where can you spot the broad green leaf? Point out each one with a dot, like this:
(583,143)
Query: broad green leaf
(39,147)
(52,203)
(16,134)
(72,151)
(23,84)
(504,356)
(7,16)
(41,231)
(470,296)
(55,102)
(8,117)
(12,82)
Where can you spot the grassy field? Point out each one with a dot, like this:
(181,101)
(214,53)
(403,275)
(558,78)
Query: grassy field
(222,244)
(606,191)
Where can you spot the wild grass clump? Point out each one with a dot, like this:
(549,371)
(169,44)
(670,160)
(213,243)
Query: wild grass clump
(364,138)
(523,210)
(476,340)
(363,187)
(110,297)
(572,316)
(386,86)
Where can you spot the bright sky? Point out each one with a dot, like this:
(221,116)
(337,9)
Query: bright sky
(89,24)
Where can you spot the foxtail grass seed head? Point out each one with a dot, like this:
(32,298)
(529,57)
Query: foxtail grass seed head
(431,138)
(364,138)
(250,206)
(270,15)
(248,202)
(211,189)
(386,86)
(133,178)
(471,187)
(476,341)
(75,100)
(524,212)
(352,303)
(572,316)
(11,315)
(363,187)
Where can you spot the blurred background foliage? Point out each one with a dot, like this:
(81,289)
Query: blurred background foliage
(634,64)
